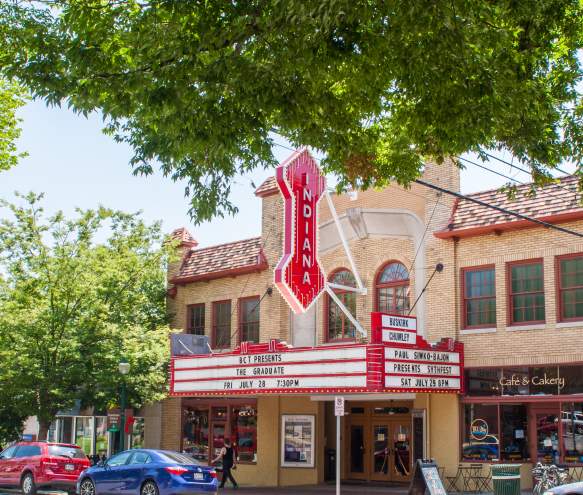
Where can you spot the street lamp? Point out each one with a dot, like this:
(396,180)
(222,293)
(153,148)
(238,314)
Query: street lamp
(124,369)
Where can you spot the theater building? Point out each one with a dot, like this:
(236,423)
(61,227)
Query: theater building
(487,371)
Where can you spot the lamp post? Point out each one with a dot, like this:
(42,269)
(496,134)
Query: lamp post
(124,369)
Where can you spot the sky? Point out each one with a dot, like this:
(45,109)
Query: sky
(76,165)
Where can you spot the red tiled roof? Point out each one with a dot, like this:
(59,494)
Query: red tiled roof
(183,236)
(553,203)
(268,188)
(222,260)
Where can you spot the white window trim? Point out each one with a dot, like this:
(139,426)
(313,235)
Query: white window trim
(569,324)
(473,331)
(518,328)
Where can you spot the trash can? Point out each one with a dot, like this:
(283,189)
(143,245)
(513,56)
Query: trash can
(506,479)
(330,465)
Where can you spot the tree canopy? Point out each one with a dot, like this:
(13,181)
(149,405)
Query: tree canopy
(199,88)
(12,97)
(73,306)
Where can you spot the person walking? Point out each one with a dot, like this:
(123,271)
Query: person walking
(227,455)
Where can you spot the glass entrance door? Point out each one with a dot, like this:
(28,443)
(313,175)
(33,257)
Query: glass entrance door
(357,462)
(391,453)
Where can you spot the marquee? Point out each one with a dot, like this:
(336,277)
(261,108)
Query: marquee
(389,363)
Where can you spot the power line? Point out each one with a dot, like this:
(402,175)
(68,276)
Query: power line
(489,169)
(517,167)
(498,208)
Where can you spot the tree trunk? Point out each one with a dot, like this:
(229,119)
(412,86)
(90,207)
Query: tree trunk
(43,429)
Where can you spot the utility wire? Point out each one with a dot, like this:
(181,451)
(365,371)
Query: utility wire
(497,208)
(489,169)
(519,168)
(438,268)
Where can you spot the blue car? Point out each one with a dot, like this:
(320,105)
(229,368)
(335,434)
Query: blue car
(148,472)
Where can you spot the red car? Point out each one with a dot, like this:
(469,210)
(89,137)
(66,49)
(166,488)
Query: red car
(40,465)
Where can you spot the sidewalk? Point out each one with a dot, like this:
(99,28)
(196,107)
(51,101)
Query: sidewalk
(347,489)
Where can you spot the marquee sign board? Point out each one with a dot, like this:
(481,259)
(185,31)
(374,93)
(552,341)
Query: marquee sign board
(411,364)
(273,368)
(299,275)
(276,368)
(394,329)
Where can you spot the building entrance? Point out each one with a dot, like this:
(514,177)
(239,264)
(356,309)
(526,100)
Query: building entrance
(379,442)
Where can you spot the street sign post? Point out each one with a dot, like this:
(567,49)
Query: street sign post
(338,412)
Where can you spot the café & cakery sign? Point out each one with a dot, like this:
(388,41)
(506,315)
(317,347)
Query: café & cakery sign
(539,380)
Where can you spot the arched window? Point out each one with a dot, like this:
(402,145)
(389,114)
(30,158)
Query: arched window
(392,289)
(339,326)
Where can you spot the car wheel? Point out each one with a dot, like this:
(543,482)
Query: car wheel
(87,487)
(27,484)
(149,488)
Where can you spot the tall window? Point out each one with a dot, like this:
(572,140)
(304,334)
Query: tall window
(479,292)
(392,289)
(249,319)
(526,292)
(222,324)
(339,326)
(570,287)
(196,319)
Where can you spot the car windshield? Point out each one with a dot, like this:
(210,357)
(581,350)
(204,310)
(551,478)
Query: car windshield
(70,452)
(178,458)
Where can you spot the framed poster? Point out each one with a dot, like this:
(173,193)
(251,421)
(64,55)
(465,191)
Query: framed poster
(297,440)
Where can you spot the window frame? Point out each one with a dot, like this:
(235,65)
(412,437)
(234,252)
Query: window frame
(189,309)
(214,325)
(559,290)
(240,321)
(327,303)
(463,272)
(509,307)
(398,283)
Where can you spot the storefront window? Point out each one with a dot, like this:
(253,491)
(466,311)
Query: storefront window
(196,434)
(481,441)
(297,441)
(547,438)
(244,433)
(483,381)
(137,434)
(513,421)
(101,436)
(84,433)
(572,426)
(572,382)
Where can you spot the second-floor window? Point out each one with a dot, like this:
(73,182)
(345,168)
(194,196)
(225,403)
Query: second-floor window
(526,292)
(570,286)
(249,319)
(222,324)
(479,293)
(195,323)
(339,326)
(392,289)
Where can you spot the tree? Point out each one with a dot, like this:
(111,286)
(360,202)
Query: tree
(200,88)
(11,99)
(71,307)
